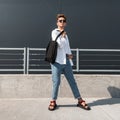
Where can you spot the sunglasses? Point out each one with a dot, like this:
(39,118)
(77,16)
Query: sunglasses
(62,21)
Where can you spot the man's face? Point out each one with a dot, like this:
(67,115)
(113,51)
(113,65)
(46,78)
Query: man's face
(61,22)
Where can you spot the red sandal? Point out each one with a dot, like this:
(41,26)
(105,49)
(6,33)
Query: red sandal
(52,105)
(83,105)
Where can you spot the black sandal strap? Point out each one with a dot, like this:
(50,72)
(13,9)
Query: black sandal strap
(52,105)
(85,106)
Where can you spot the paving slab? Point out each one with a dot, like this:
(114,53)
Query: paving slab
(37,109)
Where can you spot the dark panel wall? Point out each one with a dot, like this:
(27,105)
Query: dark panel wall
(91,23)
(26,22)
(94,23)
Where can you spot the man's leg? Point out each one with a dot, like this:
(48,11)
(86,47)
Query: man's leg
(70,78)
(56,74)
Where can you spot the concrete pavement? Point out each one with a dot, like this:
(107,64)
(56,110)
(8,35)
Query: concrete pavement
(37,109)
(39,86)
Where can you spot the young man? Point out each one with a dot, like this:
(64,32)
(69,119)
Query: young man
(62,65)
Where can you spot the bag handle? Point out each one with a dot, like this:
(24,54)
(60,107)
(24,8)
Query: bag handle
(59,35)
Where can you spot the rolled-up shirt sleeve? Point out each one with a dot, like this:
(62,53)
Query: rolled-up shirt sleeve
(68,47)
(69,51)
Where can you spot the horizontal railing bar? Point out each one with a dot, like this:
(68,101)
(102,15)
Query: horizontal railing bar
(45,49)
(11,65)
(38,65)
(35,60)
(11,48)
(97,70)
(99,60)
(37,49)
(111,50)
(12,59)
(44,70)
(99,65)
(99,55)
(81,49)
(12,70)
(36,54)
(11,54)
(40,70)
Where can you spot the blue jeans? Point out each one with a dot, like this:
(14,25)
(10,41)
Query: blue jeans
(57,70)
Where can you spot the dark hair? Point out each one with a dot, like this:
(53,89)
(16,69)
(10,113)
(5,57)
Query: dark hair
(61,15)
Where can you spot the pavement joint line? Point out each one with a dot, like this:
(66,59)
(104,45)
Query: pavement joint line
(108,115)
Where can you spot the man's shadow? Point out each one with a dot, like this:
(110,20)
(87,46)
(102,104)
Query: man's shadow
(114,92)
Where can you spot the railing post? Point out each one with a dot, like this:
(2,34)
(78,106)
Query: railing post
(28,60)
(24,64)
(77,59)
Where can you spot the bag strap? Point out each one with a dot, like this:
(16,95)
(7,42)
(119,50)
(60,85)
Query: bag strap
(59,35)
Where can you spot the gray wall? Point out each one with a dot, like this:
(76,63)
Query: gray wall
(91,23)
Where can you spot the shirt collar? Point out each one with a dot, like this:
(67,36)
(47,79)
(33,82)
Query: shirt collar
(57,29)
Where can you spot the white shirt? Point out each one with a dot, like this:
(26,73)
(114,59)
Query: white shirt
(63,47)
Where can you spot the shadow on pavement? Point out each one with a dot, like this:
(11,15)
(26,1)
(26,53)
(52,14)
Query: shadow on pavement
(114,92)
(70,105)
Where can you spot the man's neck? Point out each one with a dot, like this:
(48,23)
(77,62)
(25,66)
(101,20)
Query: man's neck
(60,28)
